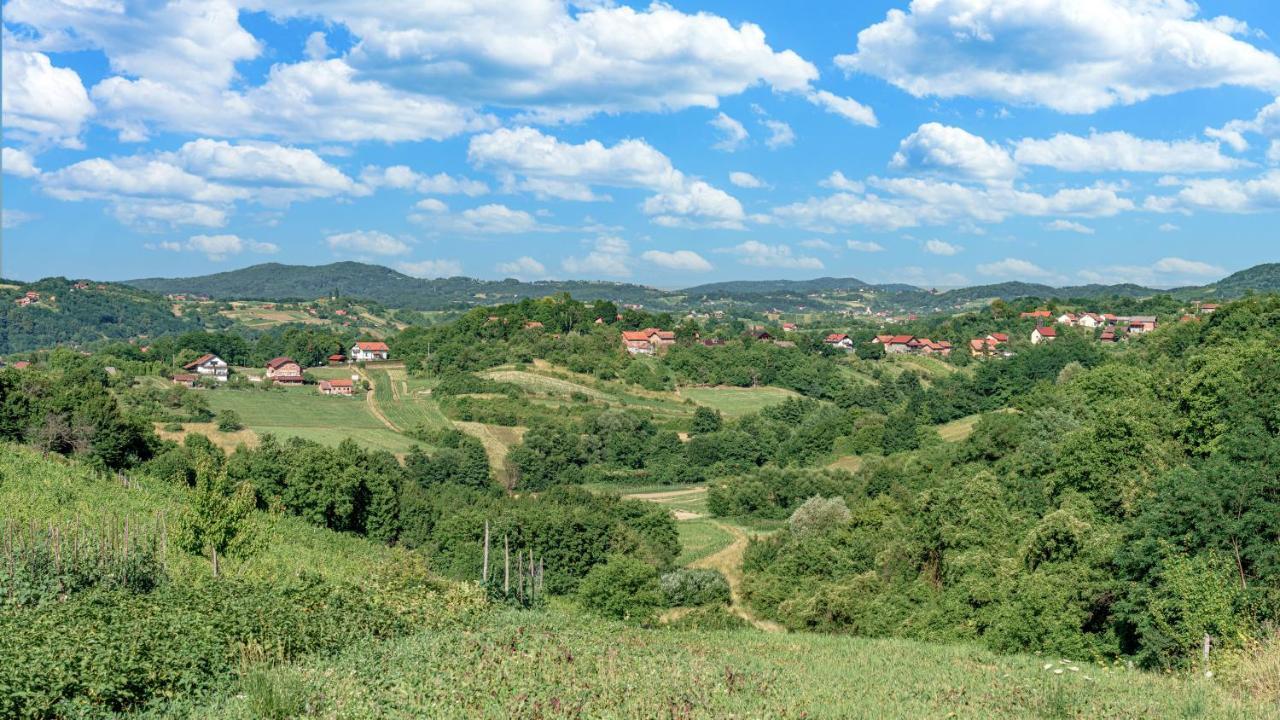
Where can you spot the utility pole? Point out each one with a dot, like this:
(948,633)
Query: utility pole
(485,573)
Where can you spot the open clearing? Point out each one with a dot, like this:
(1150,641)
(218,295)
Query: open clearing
(958,430)
(228,442)
(303,412)
(497,441)
(737,401)
(700,538)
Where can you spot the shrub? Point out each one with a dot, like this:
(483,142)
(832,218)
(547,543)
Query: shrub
(688,587)
(819,514)
(229,421)
(711,617)
(623,588)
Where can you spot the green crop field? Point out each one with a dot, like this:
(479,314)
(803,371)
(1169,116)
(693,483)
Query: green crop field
(404,408)
(700,538)
(559,664)
(305,413)
(735,401)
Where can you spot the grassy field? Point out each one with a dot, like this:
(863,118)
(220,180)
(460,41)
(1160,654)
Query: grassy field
(700,538)
(303,412)
(497,440)
(559,664)
(735,401)
(404,408)
(958,430)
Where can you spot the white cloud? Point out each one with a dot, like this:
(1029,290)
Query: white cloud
(732,133)
(865,246)
(18,162)
(945,150)
(837,181)
(13,218)
(758,254)
(278,174)
(316,47)
(531,153)
(159,213)
(608,257)
(1120,151)
(522,267)
(1265,123)
(495,218)
(1273,152)
(218,247)
(682,260)
(848,108)
(431,205)
(1168,227)
(1069,226)
(1181,266)
(1165,272)
(402,177)
(745,180)
(1258,194)
(42,103)
(817,244)
(1014,268)
(780,134)
(940,247)
(431,268)
(1073,57)
(367,242)
(696,204)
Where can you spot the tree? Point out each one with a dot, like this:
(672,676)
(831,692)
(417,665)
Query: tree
(622,588)
(705,420)
(229,421)
(217,520)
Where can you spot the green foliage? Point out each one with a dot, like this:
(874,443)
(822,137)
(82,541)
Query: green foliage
(622,588)
(819,514)
(705,420)
(229,421)
(688,587)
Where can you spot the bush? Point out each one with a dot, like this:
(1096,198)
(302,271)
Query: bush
(711,617)
(229,421)
(623,588)
(819,514)
(688,587)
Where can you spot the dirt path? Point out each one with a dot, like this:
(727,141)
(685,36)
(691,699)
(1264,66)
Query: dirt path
(729,562)
(661,497)
(371,401)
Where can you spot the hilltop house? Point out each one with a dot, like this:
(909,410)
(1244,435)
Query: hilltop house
(1043,334)
(647,341)
(369,351)
(211,365)
(284,371)
(340,386)
(839,340)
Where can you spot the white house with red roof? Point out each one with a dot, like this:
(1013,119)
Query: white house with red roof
(369,351)
(1043,334)
(647,341)
(839,340)
(210,365)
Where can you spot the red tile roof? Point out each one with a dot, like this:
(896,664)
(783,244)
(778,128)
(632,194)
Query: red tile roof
(1048,331)
(901,339)
(372,346)
(199,361)
(277,362)
(836,337)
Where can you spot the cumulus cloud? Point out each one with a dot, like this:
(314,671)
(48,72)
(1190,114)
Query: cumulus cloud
(42,103)
(608,256)
(402,177)
(866,246)
(219,247)
(1072,57)
(1265,123)
(13,218)
(1168,227)
(1015,268)
(817,244)
(430,268)
(683,260)
(780,134)
(758,254)
(745,180)
(431,205)
(941,149)
(940,247)
(847,108)
(495,218)
(1257,194)
(522,267)
(732,133)
(18,162)
(367,242)
(316,47)
(1181,266)
(1165,272)
(695,204)
(1069,226)
(837,181)
(1120,151)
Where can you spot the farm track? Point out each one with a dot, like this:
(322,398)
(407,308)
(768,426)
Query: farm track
(729,562)
(370,399)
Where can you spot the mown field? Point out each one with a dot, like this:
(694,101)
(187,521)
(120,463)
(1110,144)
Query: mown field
(560,664)
(735,401)
(303,412)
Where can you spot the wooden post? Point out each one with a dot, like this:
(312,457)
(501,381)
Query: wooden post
(484,576)
(215,561)
(506,565)
(1204,651)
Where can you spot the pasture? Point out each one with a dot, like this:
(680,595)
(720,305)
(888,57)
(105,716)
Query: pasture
(736,401)
(305,413)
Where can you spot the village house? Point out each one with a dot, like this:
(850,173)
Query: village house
(369,351)
(1208,308)
(712,342)
(761,335)
(839,340)
(1090,320)
(340,386)
(1043,334)
(925,346)
(1109,336)
(1138,324)
(337,359)
(1037,314)
(788,327)
(284,371)
(988,345)
(211,365)
(899,344)
(647,341)
(1066,319)
(186,380)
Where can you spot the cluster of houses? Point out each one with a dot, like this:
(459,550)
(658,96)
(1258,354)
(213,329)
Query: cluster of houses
(30,298)
(1114,327)
(285,370)
(647,341)
(900,344)
(993,345)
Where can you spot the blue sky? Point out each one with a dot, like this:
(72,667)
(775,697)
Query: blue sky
(940,143)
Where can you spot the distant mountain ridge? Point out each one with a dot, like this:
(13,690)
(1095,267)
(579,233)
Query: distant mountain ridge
(275,281)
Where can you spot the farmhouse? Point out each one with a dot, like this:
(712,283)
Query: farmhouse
(839,340)
(647,341)
(185,379)
(284,371)
(988,345)
(211,365)
(788,327)
(339,386)
(1090,320)
(900,344)
(1208,308)
(1043,334)
(369,351)
(1109,336)
(337,359)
